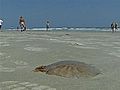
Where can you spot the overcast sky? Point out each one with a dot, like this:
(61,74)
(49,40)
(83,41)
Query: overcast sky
(71,13)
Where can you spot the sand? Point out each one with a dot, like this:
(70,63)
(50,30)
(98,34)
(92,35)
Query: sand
(21,52)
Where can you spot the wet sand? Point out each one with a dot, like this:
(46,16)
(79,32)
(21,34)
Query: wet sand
(21,52)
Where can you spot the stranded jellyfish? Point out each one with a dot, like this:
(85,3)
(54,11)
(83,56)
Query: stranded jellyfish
(69,69)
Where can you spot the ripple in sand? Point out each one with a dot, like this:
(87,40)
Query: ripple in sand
(24,40)
(81,45)
(4,44)
(16,85)
(117,54)
(21,63)
(35,49)
(6,69)
(85,47)
(75,43)
(1,54)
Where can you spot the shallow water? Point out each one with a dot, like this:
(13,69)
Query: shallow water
(21,52)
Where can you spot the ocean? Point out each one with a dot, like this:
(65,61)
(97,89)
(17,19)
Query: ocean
(69,29)
(22,52)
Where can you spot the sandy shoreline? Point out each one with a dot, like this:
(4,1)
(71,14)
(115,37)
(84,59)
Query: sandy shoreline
(21,52)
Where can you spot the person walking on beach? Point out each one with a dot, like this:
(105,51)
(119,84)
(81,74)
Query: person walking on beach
(114,26)
(47,25)
(22,24)
(1,21)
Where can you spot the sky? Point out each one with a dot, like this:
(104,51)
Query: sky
(60,13)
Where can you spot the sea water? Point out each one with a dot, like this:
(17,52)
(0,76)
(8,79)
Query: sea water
(22,52)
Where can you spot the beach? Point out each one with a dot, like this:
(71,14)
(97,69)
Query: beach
(22,52)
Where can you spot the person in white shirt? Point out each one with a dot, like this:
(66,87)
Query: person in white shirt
(1,21)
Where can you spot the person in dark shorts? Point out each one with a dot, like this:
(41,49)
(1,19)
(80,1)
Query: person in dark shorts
(47,25)
(116,26)
(113,26)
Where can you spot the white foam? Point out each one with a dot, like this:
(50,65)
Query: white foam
(16,85)
(35,49)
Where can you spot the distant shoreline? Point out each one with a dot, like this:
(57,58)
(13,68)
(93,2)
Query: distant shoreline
(64,29)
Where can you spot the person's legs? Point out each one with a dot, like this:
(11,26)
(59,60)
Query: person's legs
(23,27)
(47,27)
(0,26)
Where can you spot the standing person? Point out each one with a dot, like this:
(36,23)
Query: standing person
(116,26)
(22,24)
(1,21)
(47,25)
(113,26)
